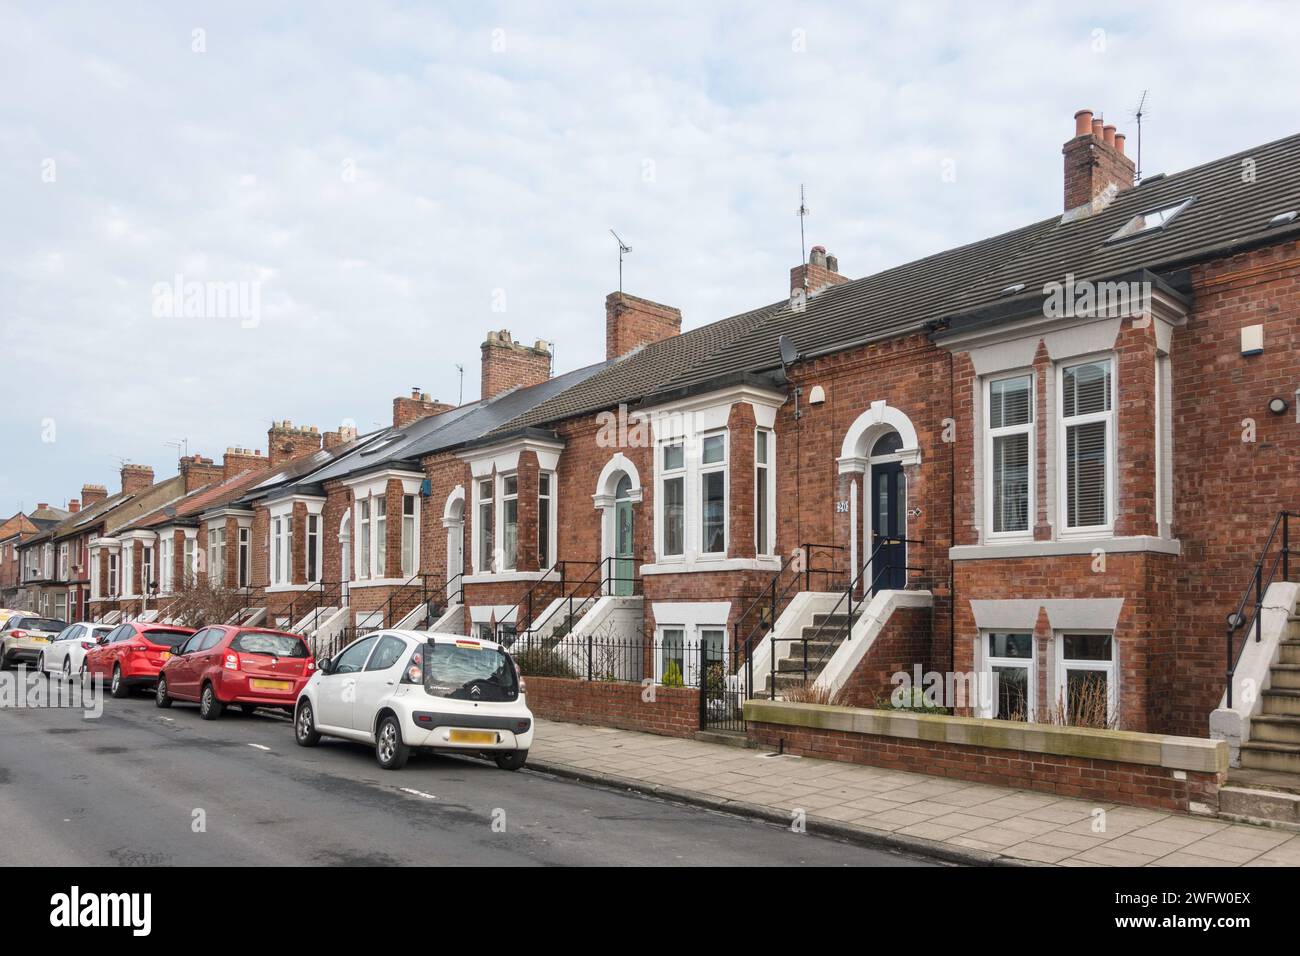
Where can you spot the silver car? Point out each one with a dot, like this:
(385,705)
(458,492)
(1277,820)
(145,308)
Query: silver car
(25,636)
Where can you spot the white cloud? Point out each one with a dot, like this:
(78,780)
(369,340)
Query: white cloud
(381,170)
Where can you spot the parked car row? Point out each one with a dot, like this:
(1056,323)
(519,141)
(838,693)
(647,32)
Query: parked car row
(398,691)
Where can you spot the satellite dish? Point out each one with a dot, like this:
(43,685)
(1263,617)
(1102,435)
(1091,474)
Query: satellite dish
(789,354)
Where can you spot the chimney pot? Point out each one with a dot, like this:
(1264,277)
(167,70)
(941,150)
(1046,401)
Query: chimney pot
(1108,133)
(1095,165)
(820,272)
(1097,128)
(74,506)
(1119,143)
(42,505)
(1083,123)
(833,263)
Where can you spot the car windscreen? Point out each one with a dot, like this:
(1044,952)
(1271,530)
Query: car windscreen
(469,671)
(167,638)
(273,645)
(39,624)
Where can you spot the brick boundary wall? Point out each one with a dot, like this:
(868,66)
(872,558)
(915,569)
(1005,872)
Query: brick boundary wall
(1102,780)
(675,711)
(1145,770)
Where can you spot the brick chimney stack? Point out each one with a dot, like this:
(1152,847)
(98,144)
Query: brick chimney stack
(345,434)
(239,460)
(1094,162)
(136,478)
(199,471)
(631,322)
(419,405)
(74,506)
(286,442)
(92,495)
(507,364)
(821,272)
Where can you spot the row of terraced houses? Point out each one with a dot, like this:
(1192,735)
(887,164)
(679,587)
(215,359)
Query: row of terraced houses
(1056,456)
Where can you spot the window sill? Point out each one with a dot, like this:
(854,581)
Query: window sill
(378,583)
(504,577)
(286,588)
(1069,546)
(704,565)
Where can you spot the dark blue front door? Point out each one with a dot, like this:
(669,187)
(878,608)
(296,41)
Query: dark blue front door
(887,502)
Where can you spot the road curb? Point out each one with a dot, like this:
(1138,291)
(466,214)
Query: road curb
(932,849)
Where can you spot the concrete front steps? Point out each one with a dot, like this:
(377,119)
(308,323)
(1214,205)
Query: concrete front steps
(1274,743)
(1263,797)
(822,637)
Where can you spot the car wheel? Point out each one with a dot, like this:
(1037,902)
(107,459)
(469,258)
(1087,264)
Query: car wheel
(67,669)
(209,707)
(304,726)
(391,753)
(40,665)
(511,760)
(160,696)
(118,688)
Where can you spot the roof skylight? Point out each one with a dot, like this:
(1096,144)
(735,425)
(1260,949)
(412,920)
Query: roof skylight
(1282,219)
(1150,220)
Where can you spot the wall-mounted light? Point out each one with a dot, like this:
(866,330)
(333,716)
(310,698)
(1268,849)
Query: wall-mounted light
(1278,406)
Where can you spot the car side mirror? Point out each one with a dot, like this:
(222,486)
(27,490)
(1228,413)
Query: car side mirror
(325,665)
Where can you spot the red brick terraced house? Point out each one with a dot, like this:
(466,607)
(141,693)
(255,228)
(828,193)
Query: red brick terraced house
(1053,456)
(14,532)
(1045,466)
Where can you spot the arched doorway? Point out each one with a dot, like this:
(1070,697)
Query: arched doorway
(453,519)
(624,526)
(345,555)
(885,514)
(618,491)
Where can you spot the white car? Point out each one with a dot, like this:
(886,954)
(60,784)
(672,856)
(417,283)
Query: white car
(25,636)
(66,654)
(405,690)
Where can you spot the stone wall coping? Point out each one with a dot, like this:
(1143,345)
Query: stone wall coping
(1197,754)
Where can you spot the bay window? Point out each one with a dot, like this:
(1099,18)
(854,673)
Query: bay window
(363,529)
(282,550)
(1009,450)
(128,567)
(313,548)
(146,570)
(713,495)
(380,504)
(112,575)
(408,535)
(63,561)
(166,546)
(1087,448)
(673,514)
(763,496)
(544,521)
(187,562)
(217,555)
(509,522)
(245,541)
(486,527)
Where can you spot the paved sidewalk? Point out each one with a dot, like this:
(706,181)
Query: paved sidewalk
(953,819)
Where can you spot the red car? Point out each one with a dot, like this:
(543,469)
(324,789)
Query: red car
(250,666)
(132,654)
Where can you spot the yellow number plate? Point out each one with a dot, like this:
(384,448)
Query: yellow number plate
(473,737)
(257,684)
(40,640)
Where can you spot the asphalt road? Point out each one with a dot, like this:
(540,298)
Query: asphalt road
(132,786)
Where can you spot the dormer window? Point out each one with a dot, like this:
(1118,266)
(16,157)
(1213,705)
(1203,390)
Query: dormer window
(1150,220)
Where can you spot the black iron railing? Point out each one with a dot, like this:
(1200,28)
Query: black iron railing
(1265,571)
(840,622)
(602,578)
(567,580)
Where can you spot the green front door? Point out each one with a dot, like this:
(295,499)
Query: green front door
(623,555)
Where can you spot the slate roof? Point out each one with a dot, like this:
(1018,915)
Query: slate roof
(1229,213)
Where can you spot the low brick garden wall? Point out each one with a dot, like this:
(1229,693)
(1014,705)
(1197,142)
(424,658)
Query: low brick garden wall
(1146,770)
(675,711)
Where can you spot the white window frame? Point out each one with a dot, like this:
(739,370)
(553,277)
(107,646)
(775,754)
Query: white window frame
(166,548)
(146,566)
(484,564)
(187,558)
(507,562)
(244,557)
(989,708)
(1062,451)
(410,539)
(282,549)
(990,434)
(712,468)
(1063,666)
(114,569)
(365,549)
(63,561)
(128,569)
(313,564)
(379,518)
(663,476)
(546,506)
(692,637)
(217,553)
(765,473)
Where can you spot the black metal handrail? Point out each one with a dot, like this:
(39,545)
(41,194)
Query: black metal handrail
(1259,583)
(596,583)
(771,600)
(526,602)
(844,628)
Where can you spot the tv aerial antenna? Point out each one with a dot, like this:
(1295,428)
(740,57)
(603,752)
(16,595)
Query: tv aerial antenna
(623,249)
(1140,112)
(803,214)
(182,446)
(460,370)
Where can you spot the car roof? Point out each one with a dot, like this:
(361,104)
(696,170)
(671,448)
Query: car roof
(425,636)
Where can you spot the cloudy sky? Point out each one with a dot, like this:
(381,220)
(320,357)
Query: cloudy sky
(393,180)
